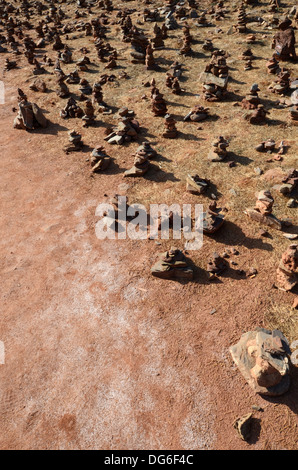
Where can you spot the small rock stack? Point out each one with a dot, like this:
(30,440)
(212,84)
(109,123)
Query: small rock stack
(251,100)
(99,159)
(171,130)
(282,84)
(157,41)
(159,106)
(219,150)
(287,271)
(172,265)
(242,20)
(149,59)
(273,66)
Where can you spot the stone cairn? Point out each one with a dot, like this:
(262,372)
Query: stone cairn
(82,64)
(159,106)
(71,110)
(66,55)
(251,100)
(149,59)
(139,43)
(169,80)
(176,89)
(88,117)
(99,159)
(196,185)
(29,116)
(248,57)
(197,114)
(187,38)
(112,64)
(294,114)
(218,65)
(85,89)
(127,129)
(176,70)
(208,45)
(273,66)
(289,182)
(9,64)
(63,90)
(170,125)
(75,142)
(257,116)
(38,69)
(58,45)
(242,20)
(157,42)
(214,87)
(250,39)
(212,219)
(262,356)
(140,166)
(172,265)
(262,212)
(287,271)
(266,146)
(38,85)
(150,15)
(218,151)
(202,20)
(97,95)
(73,78)
(282,84)
(216,266)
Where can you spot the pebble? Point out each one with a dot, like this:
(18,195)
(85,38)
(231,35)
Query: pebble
(252,272)
(290,236)
(257,408)
(291,203)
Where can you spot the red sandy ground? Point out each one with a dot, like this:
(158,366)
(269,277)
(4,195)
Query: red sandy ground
(99,354)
